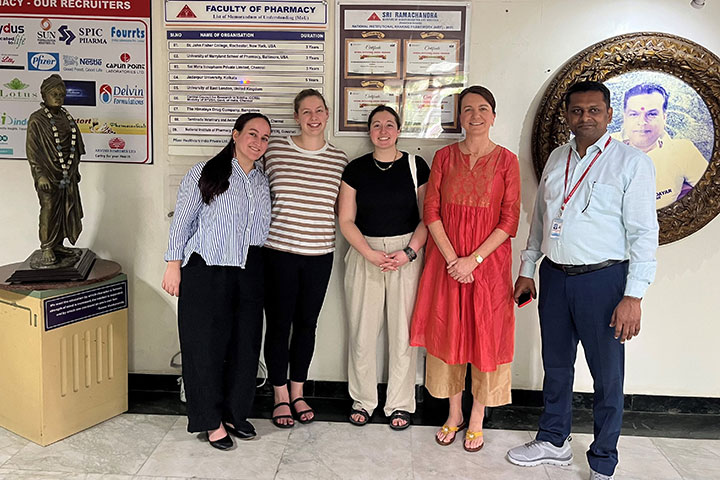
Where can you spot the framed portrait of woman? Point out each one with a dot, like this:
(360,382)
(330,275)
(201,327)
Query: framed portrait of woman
(665,96)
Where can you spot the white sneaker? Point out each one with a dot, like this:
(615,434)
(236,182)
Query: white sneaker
(599,476)
(539,452)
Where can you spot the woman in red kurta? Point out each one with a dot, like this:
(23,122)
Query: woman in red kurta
(464,311)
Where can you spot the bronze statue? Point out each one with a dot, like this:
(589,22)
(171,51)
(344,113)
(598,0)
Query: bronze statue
(54,146)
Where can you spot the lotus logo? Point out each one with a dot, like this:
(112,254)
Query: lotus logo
(16,84)
(116,143)
(125,57)
(105,93)
(43,61)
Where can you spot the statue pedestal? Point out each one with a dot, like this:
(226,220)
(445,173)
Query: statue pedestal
(64,353)
(73,267)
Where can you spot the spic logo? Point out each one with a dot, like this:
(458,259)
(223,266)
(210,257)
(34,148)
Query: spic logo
(91,35)
(105,93)
(43,61)
(66,35)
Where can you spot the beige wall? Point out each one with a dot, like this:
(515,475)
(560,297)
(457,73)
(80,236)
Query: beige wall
(517,47)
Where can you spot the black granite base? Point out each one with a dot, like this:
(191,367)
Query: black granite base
(645,415)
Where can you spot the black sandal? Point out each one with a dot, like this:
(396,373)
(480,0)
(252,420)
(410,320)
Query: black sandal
(300,414)
(400,415)
(275,418)
(362,412)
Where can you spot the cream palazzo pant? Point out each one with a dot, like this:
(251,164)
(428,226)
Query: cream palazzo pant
(370,296)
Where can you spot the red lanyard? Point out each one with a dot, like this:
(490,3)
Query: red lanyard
(567,170)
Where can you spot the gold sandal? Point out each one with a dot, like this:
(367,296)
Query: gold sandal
(470,436)
(447,429)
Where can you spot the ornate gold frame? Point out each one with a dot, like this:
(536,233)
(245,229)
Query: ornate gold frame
(686,60)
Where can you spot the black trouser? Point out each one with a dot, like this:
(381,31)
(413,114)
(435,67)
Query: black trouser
(295,287)
(220,325)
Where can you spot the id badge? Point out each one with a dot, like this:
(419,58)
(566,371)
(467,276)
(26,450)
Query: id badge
(556,228)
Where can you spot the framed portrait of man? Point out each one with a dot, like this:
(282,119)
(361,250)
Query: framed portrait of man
(665,96)
(664,117)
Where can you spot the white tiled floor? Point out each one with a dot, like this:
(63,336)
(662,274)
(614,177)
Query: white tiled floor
(154,447)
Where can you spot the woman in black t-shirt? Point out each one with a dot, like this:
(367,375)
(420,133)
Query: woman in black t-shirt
(380,208)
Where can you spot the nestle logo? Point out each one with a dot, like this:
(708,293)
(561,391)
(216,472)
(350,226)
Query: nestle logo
(116,143)
(91,61)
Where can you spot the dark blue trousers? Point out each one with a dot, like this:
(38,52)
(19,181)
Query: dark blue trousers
(580,307)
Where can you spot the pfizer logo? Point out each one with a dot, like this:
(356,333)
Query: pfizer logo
(125,57)
(105,93)
(43,61)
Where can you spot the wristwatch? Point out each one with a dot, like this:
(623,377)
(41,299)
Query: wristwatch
(479,259)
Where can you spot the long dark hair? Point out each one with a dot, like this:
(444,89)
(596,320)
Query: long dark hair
(215,175)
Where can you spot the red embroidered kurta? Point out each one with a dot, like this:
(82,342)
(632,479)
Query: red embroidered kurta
(475,322)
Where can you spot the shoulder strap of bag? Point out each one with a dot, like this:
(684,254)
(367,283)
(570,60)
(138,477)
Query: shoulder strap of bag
(413,172)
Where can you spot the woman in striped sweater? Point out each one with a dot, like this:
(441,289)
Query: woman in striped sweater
(304,173)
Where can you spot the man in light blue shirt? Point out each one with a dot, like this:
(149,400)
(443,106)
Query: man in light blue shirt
(595,223)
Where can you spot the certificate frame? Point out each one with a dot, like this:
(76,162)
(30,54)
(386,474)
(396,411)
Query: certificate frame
(398,65)
(401,21)
(406,43)
(653,52)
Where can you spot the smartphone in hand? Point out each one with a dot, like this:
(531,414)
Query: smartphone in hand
(524,299)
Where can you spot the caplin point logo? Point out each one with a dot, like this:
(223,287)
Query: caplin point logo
(125,57)
(16,84)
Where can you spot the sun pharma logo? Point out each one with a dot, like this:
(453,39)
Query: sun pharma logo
(45,24)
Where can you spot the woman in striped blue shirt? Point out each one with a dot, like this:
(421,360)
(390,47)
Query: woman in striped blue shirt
(214,266)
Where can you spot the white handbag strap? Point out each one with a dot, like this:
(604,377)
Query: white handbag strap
(413,172)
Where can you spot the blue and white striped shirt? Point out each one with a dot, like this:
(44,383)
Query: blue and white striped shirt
(222,231)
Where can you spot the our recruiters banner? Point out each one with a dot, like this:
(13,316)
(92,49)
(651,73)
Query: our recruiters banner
(102,57)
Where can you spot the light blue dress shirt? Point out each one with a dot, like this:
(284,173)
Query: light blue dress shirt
(222,231)
(611,216)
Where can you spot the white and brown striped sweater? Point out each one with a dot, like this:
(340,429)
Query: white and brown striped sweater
(304,186)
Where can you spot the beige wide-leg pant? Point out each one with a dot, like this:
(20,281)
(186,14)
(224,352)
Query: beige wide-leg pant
(371,295)
(491,389)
